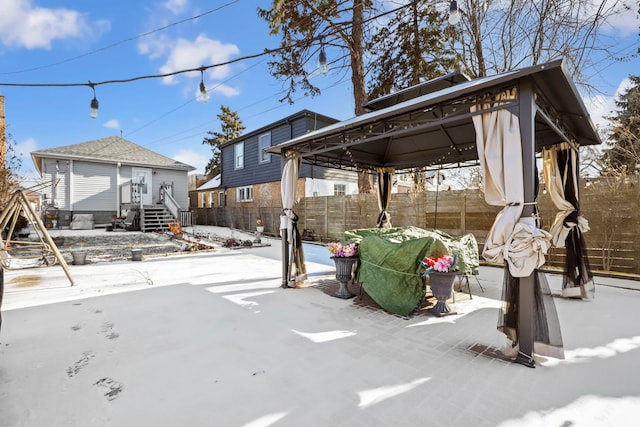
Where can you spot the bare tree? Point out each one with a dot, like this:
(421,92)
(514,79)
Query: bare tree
(10,164)
(497,35)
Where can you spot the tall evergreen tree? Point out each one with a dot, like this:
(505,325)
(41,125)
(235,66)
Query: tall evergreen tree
(624,133)
(231,128)
(309,27)
(409,48)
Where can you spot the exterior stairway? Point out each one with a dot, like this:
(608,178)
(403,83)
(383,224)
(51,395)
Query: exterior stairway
(155,218)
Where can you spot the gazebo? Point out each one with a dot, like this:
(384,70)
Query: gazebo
(500,123)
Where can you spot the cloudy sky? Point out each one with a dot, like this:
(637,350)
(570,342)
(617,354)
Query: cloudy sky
(76,41)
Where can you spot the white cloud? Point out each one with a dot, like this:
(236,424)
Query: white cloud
(192,158)
(24,148)
(112,124)
(224,90)
(626,22)
(185,54)
(23,24)
(600,106)
(176,6)
(27,172)
(155,47)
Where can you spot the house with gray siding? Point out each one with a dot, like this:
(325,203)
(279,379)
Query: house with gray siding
(252,177)
(110,176)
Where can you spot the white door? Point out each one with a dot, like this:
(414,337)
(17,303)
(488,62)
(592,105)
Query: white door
(141,183)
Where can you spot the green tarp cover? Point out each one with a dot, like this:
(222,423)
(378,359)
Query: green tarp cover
(390,262)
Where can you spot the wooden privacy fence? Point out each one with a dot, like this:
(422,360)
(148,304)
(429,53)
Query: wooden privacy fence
(612,208)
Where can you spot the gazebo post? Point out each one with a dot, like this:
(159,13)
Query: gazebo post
(526,301)
(284,235)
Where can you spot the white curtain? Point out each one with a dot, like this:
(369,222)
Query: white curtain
(499,150)
(297,271)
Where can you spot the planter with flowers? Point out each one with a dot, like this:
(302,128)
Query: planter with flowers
(442,272)
(345,256)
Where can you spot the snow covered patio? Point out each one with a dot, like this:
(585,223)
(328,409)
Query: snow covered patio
(212,339)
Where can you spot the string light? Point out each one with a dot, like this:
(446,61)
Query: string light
(203,90)
(322,61)
(93,108)
(454,13)
(454,17)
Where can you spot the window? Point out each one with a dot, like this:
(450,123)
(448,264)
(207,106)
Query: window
(203,200)
(238,150)
(264,141)
(244,194)
(222,197)
(211,198)
(339,189)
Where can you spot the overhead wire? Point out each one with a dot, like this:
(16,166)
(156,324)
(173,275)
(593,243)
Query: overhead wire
(265,52)
(204,67)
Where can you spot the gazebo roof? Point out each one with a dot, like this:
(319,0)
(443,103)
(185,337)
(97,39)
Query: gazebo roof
(436,128)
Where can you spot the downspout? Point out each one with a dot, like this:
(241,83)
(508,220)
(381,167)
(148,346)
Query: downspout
(118,189)
(70,172)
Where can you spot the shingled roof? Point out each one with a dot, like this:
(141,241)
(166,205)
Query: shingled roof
(109,150)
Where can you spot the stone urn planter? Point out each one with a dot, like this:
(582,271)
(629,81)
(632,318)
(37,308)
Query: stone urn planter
(441,285)
(79,257)
(136,254)
(344,274)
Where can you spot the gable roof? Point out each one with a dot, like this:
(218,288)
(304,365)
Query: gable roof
(211,184)
(112,149)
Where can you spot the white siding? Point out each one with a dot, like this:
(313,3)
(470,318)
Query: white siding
(57,174)
(94,186)
(180,182)
(324,187)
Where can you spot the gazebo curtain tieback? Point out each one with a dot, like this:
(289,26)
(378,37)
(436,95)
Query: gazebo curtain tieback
(526,248)
(289,221)
(521,204)
(561,228)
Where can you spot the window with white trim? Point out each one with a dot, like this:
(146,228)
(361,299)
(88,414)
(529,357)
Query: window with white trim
(222,197)
(339,189)
(238,151)
(203,201)
(244,194)
(211,198)
(264,141)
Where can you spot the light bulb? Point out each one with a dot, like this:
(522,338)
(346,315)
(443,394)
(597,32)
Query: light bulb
(322,62)
(93,111)
(203,93)
(454,13)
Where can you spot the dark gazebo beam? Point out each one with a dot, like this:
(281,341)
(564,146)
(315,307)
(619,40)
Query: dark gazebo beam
(526,301)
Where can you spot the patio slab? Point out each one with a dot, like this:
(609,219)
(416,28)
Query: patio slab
(212,339)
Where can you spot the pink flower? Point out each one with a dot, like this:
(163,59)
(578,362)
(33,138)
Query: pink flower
(443,264)
(340,250)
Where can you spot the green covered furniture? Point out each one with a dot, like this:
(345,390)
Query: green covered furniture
(390,268)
